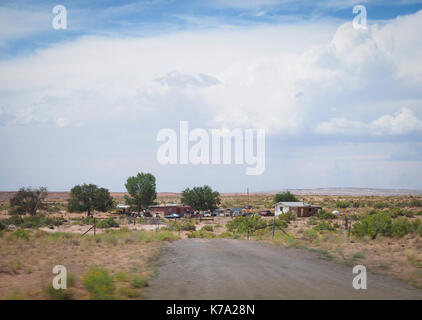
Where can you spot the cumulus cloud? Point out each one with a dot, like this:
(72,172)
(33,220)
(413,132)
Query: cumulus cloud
(402,122)
(286,79)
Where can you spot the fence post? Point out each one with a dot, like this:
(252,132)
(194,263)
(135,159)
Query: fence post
(272,237)
(94,228)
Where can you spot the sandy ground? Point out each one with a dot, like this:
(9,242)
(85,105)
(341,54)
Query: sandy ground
(235,269)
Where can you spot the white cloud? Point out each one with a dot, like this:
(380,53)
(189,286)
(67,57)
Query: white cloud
(402,122)
(283,78)
(177,79)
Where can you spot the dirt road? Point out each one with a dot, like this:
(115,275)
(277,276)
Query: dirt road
(236,269)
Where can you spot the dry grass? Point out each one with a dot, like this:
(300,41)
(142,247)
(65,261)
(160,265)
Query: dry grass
(26,266)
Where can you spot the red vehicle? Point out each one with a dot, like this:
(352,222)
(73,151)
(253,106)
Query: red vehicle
(265,213)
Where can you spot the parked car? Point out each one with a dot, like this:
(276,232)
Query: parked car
(265,213)
(172,216)
(206,214)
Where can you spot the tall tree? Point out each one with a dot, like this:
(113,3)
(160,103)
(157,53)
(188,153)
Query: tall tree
(28,200)
(285,197)
(201,198)
(89,197)
(142,190)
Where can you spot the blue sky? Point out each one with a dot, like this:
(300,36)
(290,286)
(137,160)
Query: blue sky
(341,107)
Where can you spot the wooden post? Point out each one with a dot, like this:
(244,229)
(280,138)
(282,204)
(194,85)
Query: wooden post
(94,228)
(273,226)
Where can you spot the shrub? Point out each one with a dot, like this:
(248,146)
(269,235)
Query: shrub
(419,230)
(229,235)
(342,204)
(21,234)
(324,215)
(357,204)
(311,234)
(129,292)
(415,203)
(59,294)
(324,226)
(36,221)
(245,224)
(138,282)
(380,205)
(185,225)
(372,225)
(208,228)
(395,212)
(107,223)
(419,213)
(408,213)
(401,227)
(99,283)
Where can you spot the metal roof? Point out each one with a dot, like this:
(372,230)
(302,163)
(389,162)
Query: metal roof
(294,204)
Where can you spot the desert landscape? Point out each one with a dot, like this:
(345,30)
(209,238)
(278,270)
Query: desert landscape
(128,251)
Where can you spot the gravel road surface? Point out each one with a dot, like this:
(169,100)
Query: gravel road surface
(239,269)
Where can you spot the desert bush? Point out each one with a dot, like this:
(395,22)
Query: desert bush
(324,226)
(311,234)
(357,204)
(2,225)
(138,282)
(373,224)
(107,223)
(245,224)
(395,212)
(415,203)
(324,215)
(201,234)
(129,292)
(400,227)
(59,294)
(408,213)
(35,221)
(380,205)
(343,204)
(229,235)
(419,213)
(21,234)
(419,230)
(208,228)
(99,283)
(184,225)
(150,236)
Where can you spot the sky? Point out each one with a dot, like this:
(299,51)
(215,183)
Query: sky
(340,106)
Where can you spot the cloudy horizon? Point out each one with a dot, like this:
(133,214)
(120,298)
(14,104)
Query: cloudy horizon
(340,107)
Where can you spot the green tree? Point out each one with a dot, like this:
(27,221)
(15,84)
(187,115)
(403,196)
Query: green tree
(201,198)
(285,197)
(88,197)
(142,191)
(28,200)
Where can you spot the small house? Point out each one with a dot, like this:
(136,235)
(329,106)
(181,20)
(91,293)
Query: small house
(301,209)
